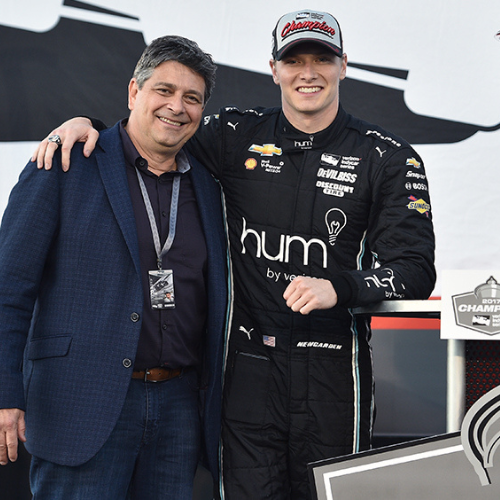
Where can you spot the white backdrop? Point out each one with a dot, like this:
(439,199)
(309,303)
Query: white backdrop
(450,48)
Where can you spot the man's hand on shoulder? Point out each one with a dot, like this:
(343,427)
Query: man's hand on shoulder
(12,428)
(75,130)
(305,294)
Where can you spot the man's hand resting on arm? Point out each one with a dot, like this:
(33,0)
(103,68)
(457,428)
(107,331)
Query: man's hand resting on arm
(75,130)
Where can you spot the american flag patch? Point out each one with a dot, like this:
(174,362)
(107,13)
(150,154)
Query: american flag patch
(270,341)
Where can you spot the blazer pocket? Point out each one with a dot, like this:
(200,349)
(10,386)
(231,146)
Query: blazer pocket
(49,347)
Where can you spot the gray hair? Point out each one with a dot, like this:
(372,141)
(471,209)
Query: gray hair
(182,50)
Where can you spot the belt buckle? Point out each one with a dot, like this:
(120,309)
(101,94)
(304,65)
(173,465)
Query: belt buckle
(146,373)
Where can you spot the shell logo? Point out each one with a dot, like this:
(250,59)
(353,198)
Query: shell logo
(251,163)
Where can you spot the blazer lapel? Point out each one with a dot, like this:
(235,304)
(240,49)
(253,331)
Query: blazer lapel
(111,164)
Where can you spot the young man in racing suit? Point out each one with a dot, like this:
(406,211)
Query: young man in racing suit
(324,212)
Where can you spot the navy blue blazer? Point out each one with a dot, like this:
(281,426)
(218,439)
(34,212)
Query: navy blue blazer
(71,302)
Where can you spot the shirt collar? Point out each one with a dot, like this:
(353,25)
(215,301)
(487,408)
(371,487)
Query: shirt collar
(295,140)
(133,157)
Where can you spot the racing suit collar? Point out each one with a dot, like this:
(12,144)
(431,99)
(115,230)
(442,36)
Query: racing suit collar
(293,140)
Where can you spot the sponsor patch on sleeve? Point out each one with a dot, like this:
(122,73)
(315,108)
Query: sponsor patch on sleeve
(420,205)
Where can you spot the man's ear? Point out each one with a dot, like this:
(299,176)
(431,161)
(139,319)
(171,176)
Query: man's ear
(344,67)
(133,88)
(272,64)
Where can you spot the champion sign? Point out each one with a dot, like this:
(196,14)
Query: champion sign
(479,310)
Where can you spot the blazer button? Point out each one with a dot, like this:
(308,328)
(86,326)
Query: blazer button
(127,363)
(134,317)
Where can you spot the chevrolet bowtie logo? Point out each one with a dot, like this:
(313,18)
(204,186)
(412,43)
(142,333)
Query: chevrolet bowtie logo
(413,162)
(265,150)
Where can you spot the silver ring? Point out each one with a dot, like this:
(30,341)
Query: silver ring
(55,138)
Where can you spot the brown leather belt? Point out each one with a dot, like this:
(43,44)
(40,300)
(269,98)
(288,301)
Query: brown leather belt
(157,374)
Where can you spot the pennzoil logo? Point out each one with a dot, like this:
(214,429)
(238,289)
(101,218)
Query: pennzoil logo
(413,162)
(265,150)
(419,205)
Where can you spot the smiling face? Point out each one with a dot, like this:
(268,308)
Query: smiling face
(166,111)
(309,77)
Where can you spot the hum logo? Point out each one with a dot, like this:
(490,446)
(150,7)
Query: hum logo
(285,243)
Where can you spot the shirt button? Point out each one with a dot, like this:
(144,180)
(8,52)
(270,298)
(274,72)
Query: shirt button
(134,317)
(127,363)
(164,326)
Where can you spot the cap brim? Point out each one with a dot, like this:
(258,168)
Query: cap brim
(332,48)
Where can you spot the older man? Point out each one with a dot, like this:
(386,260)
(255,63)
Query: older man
(113,284)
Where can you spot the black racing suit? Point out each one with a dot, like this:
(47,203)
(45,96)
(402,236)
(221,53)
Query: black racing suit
(349,204)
